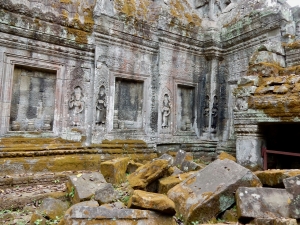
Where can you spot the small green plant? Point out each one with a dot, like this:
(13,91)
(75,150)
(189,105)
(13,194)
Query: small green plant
(71,194)
(54,221)
(38,222)
(56,181)
(195,222)
(125,199)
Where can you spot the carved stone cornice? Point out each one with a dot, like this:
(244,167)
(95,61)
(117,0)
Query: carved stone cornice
(247,130)
(249,28)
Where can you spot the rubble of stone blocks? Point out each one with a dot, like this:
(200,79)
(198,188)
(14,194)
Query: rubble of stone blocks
(159,192)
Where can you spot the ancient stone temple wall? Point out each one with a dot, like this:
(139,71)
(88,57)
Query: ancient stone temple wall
(161,72)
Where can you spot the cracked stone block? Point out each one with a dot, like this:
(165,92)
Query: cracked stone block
(83,186)
(292,185)
(114,170)
(210,191)
(102,215)
(262,202)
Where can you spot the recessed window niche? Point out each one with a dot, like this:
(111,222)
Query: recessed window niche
(33,99)
(128,105)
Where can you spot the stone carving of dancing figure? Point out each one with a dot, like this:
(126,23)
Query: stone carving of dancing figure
(76,103)
(298,29)
(101,107)
(214,114)
(166,110)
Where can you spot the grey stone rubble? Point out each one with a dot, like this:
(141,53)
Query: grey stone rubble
(210,191)
(156,71)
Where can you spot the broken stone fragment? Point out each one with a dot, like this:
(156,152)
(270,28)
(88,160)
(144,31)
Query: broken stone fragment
(292,186)
(181,156)
(275,221)
(114,170)
(174,171)
(210,191)
(262,202)
(152,201)
(115,205)
(105,194)
(230,215)
(82,187)
(225,155)
(148,173)
(275,178)
(133,166)
(188,166)
(167,157)
(84,215)
(268,57)
(165,184)
(37,217)
(53,208)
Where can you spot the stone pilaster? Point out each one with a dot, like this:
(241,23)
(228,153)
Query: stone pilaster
(248,146)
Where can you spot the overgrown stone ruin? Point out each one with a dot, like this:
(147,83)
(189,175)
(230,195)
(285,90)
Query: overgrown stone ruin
(88,81)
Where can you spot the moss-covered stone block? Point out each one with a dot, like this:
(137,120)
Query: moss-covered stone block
(114,171)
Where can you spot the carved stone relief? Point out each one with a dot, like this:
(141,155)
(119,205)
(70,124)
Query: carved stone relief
(101,107)
(211,9)
(214,115)
(33,100)
(102,74)
(76,106)
(298,29)
(166,110)
(206,114)
(241,104)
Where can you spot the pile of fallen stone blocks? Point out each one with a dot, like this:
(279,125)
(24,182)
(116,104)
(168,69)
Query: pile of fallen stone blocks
(176,190)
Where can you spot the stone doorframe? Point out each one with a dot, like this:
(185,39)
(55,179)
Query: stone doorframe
(10,61)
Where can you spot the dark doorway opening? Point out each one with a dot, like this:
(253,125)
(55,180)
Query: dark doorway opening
(282,137)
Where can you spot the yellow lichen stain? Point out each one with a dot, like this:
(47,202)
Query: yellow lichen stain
(66,1)
(127,7)
(292,45)
(207,195)
(277,92)
(190,181)
(142,11)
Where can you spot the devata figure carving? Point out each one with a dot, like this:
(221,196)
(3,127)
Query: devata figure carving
(206,113)
(101,107)
(214,114)
(76,103)
(298,29)
(166,110)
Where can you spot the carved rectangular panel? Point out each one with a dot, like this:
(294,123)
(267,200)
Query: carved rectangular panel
(33,97)
(129,104)
(185,110)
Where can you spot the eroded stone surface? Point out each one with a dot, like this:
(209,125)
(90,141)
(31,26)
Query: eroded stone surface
(114,171)
(105,193)
(101,215)
(151,201)
(165,184)
(292,185)
(262,202)
(83,186)
(211,190)
(53,208)
(275,178)
(148,173)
